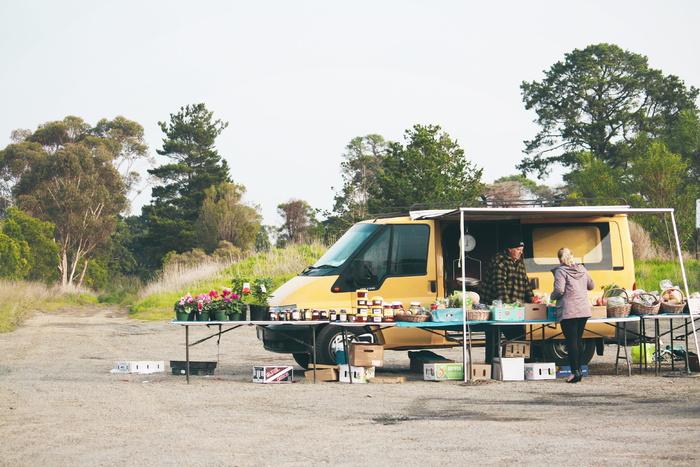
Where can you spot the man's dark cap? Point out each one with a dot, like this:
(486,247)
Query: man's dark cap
(514,241)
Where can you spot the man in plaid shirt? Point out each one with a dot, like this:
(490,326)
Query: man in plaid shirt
(506,280)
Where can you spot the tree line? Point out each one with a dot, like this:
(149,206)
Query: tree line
(618,128)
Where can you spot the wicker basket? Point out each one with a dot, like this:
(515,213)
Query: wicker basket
(673,308)
(411,318)
(640,309)
(478,315)
(619,311)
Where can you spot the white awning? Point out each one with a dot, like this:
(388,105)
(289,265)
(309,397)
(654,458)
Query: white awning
(497,213)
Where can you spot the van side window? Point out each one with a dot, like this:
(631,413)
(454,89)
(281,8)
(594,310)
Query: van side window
(590,244)
(409,250)
(396,250)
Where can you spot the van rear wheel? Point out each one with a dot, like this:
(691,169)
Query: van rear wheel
(555,351)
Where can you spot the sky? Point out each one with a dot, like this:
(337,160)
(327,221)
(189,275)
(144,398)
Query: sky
(298,80)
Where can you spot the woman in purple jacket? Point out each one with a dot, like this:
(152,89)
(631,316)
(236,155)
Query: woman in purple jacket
(571,285)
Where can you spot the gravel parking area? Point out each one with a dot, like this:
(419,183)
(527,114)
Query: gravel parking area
(60,405)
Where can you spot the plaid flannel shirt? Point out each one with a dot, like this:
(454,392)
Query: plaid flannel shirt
(506,280)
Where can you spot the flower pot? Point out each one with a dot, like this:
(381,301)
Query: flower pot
(219,316)
(203,316)
(236,317)
(259,313)
(184,316)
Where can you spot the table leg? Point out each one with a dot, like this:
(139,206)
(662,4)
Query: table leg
(313,349)
(657,343)
(642,343)
(187,353)
(629,365)
(673,360)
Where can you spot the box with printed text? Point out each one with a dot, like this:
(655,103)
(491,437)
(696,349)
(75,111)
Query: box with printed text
(273,374)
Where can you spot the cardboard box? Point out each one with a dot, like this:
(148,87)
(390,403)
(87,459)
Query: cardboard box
(480,371)
(509,369)
(599,312)
(442,371)
(323,372)
(551,312)
(535,371)
(140,368)
(359,374)
(421,357)
(566,371)
(363,354)
(273,374)
(516,313)
(388,379)
(516,349)
(535,311)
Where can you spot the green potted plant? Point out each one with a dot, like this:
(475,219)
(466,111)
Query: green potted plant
(233,306)
(255,293)
(185,307)
(216,306)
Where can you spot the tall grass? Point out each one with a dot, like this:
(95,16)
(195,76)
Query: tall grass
(157,298)
(651,272)
(18,299)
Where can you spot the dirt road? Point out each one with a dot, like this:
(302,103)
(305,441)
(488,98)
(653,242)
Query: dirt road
(60,405)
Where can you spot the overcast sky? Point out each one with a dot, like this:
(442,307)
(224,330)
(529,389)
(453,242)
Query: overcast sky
(297,80)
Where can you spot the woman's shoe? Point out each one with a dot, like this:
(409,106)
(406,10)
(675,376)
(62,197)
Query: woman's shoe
(576,376)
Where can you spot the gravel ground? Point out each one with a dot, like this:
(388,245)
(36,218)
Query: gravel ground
(60,405)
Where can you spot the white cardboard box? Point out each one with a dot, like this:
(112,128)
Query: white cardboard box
(359,374)
(273,374)
(509,369)
(141,368)
(540,371)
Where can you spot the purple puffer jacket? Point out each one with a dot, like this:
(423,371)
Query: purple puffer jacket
(571,286)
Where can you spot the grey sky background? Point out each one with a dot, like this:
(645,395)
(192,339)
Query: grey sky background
(297,80)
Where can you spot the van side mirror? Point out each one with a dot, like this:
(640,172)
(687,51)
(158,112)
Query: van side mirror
(535,283)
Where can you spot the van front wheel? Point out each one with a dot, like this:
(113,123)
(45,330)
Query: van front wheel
(329,340)
(555,351)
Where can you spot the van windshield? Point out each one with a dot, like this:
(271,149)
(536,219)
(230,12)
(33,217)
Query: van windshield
(343,248)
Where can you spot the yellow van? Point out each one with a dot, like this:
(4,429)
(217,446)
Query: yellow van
(416,257)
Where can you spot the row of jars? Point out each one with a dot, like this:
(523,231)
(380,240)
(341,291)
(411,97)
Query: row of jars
(362,314)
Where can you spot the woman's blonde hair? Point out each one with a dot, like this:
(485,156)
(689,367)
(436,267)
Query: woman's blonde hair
(566,256)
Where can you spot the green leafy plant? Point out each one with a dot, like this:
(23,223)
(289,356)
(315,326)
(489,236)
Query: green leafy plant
(255,291)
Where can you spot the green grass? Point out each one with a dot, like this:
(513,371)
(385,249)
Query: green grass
(280,265)
(651,272)
(18,299)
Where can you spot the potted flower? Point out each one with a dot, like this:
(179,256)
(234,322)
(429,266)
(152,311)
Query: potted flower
(203,310)
(216,306)
(184,308)
(233,306)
